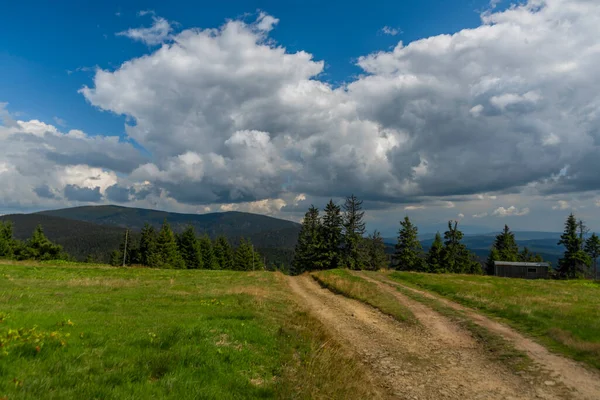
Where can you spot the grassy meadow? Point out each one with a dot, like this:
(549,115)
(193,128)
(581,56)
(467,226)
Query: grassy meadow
(564,315)
(125,333)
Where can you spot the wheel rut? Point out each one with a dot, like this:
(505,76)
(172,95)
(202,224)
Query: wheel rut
(435,360)
(581,381)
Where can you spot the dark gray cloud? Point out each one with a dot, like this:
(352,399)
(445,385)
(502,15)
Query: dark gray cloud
(44,191)
(117,194)
(84,194)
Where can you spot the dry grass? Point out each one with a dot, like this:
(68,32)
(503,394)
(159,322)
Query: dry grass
(342,282)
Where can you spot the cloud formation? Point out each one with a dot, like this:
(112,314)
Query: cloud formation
(231,117)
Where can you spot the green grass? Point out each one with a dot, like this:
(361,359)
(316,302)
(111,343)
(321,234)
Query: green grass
(112,333)
(343,282)
(564,315)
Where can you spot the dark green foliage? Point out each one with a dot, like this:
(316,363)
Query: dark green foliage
(223,253)
(127,254)
(246,259)
(208,256)
(309,254)
(592,248)
(6,239)
(527,256)
(435,255)
(38,247)
(575,262)
(376,257)
(505,248)
(457,258)
(354,230)
(408,254)
(189,248)
(167,253)
(332,235)
(147,250)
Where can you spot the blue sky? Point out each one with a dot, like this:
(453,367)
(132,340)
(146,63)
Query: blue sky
(41,41)
(485,112)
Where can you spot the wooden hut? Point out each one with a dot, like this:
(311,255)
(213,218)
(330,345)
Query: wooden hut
(524,270)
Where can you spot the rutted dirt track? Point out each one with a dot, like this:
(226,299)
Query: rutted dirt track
(584,383)
(434,360)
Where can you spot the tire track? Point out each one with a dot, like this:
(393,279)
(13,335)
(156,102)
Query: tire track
(412,362)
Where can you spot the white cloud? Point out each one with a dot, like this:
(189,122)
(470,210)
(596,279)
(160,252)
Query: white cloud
(510,211)
(387,30)
(461,215)
(60,122)
(562,205)
(412,208)
(158,33)
(480,215)
(266,22)
(449,204)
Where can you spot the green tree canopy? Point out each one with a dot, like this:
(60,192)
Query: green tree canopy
(189,248)
(592,248)
(6,239)
(376,257)
(208,256)
(332,235)
(575,262)
(408,254)
(435,255)
(309,252)
(354,230)
(166,249)
(223,253)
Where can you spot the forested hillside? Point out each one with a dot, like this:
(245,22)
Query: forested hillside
(262,230)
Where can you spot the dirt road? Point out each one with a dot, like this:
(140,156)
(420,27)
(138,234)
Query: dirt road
(435,360)
(581,381)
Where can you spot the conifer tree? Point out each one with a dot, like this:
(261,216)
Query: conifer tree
(376,257)
(166,249)
(456,255)
(332,235)
(527,256)
(592,248)
(208,256)
(223,253)
(39,247)
(6,239)
(244,258)
(189,248)
(505,248)
(435,255)
(354,230)
(408,250)
(309,254)
(575,261)
(147,249)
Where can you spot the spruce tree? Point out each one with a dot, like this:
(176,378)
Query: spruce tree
(208,256)
(332,235)
(435,255)
(456,255)
(354,230)
(166,249)
(528,256)
(592,248)
(575,261)
(377,259)
(408,251)
(244,257)
(39,247)
(507,247)
(147,249)
(309,254)
(189,248)
(223,253)
(6,239)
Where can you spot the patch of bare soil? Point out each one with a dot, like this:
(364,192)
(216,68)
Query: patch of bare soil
(582,382)
(435,360)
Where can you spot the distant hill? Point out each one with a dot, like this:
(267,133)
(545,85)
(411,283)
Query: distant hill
(262,230)
(98,230)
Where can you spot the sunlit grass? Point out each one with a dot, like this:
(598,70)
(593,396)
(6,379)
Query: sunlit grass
(565,315)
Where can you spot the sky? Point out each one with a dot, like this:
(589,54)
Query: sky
(483,112)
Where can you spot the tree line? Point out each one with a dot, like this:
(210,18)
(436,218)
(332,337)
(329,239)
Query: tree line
(37,247)
(187,250)
(337,239)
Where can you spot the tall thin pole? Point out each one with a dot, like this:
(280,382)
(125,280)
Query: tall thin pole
(125,249)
